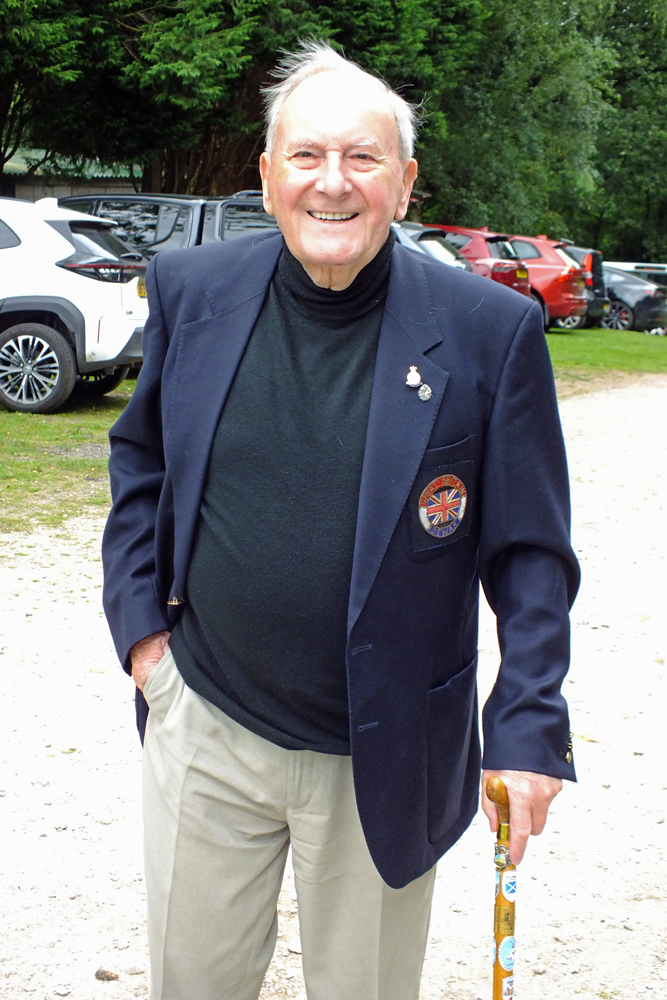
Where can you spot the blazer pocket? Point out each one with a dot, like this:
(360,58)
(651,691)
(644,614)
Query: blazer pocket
(452,727)
(441,504)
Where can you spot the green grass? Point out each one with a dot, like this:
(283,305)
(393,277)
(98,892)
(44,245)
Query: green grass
(52,466)
(581,353)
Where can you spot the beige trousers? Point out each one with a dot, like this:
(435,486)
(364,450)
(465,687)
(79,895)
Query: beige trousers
(221,807)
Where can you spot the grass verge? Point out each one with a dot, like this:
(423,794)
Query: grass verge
(586,353)
(54,466)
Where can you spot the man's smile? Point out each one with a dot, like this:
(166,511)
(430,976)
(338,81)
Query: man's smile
(333,216)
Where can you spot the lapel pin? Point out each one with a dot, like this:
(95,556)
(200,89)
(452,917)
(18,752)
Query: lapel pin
(425,392)
(414,379)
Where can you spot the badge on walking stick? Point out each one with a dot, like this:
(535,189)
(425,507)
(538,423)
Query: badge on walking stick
(503,911)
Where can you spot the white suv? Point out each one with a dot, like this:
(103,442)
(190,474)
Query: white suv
(72,305)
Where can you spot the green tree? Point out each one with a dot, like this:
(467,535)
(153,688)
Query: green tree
(176,86)
(523,123)
(40,45)
(625,211)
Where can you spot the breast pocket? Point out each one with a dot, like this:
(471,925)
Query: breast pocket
(441,506)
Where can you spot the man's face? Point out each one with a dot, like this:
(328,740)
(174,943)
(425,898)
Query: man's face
(334,180)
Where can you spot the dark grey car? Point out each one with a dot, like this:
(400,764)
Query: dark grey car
(153,223)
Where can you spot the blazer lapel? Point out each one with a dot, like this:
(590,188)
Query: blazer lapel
(399,422)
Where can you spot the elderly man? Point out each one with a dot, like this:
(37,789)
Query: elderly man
(331,441)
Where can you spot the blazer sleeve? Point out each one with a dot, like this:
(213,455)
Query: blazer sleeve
(529,572)
(132,603)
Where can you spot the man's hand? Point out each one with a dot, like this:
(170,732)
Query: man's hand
(146,654)
(530,796)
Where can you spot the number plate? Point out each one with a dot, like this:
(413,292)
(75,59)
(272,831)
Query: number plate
(141,288)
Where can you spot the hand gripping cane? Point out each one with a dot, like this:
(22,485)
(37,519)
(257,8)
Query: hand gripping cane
(503,911)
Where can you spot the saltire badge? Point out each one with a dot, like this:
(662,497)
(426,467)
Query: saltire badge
(442,506)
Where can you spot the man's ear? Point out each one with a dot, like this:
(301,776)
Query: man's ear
(409,177)
(264,171)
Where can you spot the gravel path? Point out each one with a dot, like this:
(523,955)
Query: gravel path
(591,918)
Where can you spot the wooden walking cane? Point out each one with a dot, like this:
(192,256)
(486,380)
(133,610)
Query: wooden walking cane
(503,911)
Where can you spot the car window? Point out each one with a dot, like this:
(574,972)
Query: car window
(92,239)
(8,237)
(526,250)
(437,247)
(567,258)
(501,249)
(615,277)
(237,220)
(149,226)
(456,239)
(84,205)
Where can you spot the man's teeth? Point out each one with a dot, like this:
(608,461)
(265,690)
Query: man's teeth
(333,216)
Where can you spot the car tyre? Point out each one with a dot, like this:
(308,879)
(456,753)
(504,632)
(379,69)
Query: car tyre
(619,317)
(544,307)
(37,368)
(99,383)
(571,322)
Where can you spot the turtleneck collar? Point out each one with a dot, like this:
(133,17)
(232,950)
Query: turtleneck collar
(336,308)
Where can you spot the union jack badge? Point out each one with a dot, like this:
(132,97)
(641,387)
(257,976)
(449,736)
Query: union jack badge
(442,506)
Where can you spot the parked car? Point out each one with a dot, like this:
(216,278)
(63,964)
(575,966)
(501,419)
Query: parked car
(598,301)
(557,279)
(490,255)
(72,305)
(152,223)
(636,304)
(427,240)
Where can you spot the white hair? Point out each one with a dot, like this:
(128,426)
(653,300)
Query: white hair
(315,57)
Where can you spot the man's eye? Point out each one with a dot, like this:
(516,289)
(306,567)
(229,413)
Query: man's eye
(303,154)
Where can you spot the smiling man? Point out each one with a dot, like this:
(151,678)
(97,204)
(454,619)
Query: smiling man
(331,441)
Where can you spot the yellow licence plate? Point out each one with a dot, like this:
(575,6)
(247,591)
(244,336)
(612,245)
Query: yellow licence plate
(521,272)
(141,288)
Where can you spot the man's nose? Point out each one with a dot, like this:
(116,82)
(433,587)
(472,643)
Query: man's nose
(333,180)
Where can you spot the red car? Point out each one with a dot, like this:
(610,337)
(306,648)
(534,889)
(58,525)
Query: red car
(490,255)
(557,278)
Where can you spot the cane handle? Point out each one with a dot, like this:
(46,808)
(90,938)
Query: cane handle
(497,793)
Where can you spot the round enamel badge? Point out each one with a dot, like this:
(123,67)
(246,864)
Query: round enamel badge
(442,506)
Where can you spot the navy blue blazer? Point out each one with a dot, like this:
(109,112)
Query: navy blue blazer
(491,422)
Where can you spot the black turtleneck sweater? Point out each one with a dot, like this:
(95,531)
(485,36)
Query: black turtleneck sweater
(263,630)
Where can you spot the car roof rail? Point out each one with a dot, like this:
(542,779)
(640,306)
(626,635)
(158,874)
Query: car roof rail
(246,194)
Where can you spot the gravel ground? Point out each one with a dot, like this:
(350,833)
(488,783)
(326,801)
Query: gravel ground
(591,913)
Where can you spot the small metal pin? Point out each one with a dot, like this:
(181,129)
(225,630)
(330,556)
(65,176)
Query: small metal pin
(414,379)
(425,392)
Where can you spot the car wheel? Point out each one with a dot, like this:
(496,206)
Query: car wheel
(37,368)
(619,317)
(544,307)
(99,383)
(571,322)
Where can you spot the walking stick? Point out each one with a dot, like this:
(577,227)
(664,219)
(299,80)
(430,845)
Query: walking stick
(503,911)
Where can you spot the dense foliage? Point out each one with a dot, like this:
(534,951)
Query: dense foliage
(541,115)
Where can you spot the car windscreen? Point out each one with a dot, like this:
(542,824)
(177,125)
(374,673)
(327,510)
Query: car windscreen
(457,240)
(619,279)
(437,247)
(149,226)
